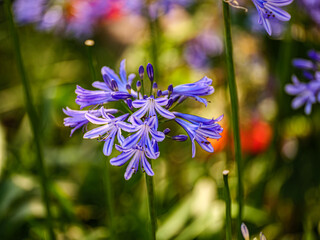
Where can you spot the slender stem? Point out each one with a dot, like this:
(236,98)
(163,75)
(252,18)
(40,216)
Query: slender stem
(109,202)
(234,109)
(152,207)
(228,205)
(89,44)
(31,110)
(154,34)
(106,173)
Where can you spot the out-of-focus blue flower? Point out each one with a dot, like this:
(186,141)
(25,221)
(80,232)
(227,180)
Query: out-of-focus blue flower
(156,8)
(307,93)
(202,48)
(163,7)
(77,18)
(77,118)
(137,154)
(270,9)
(201,131)
(142,122)
(30,11)
(313,9)
(194,90)
(312,64)
(111,128)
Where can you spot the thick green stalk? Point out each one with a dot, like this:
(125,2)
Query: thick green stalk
(152,207)
(32,117)
(106,174)
(228,205)
(234,109)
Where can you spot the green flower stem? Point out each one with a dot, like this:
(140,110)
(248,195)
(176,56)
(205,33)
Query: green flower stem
(31,110)
(109,198)
(228,205)
(234,109)
(154,40)
(89,45)
(106,173)
(152,207)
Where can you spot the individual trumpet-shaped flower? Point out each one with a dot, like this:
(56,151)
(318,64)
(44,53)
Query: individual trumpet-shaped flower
(112,89)
(200,132)
(137,154)
(152,106)
(142,131)
(110,129)
(77,118)
(196,119)
(270,9)
(194,90)
(306,93)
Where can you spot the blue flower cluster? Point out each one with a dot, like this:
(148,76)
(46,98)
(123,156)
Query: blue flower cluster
(307,93)
(137,131)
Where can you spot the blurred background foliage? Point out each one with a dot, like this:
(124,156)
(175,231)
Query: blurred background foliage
(281,146)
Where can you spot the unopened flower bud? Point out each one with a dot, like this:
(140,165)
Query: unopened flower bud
(180,138)
(166,131)
(138,86)
(150,72)
(159,93)
(245,232)
(262,236)
(141,72)
(170,89)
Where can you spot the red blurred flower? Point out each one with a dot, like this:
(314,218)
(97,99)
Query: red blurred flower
(256,137)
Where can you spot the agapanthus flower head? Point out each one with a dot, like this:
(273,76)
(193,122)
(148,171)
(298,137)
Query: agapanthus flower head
(269,10)
(307,93)
(137,130)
